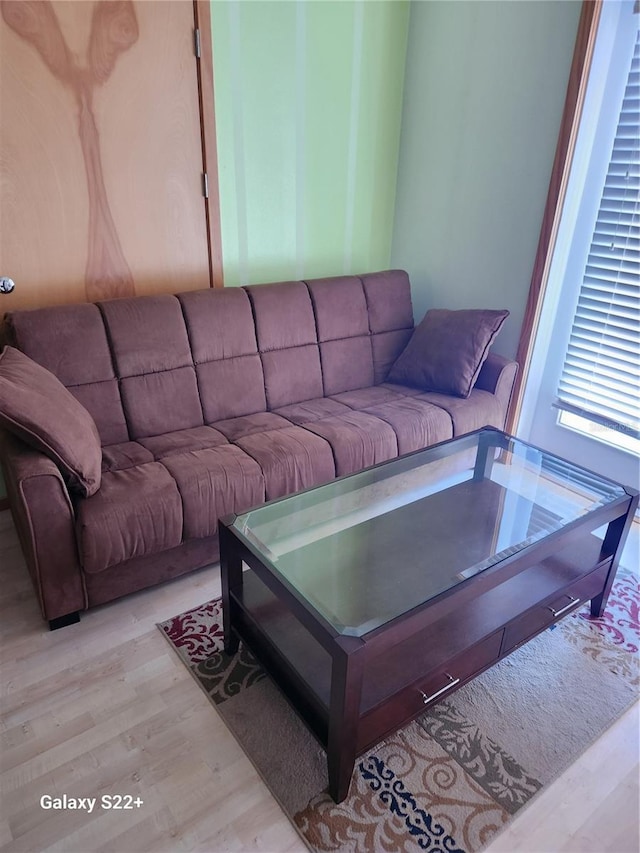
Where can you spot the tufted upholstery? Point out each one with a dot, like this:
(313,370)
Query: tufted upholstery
(212,401)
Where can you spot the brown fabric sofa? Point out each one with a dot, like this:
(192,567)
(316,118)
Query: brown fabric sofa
(210,402)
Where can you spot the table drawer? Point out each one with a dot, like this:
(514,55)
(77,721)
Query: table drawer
(538,618)
(433,687)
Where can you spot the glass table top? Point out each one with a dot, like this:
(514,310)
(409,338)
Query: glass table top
(366,548)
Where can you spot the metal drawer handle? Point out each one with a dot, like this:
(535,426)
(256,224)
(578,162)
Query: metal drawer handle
(564,609)
(452,682)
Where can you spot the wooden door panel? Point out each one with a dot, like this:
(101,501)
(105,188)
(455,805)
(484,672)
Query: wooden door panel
(44,210)
(155,186)
(101,164)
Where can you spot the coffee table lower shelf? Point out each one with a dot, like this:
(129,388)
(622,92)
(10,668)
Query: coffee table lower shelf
(353,692)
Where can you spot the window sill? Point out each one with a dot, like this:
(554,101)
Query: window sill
(605,435)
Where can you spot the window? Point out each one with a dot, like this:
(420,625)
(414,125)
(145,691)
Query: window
(584,302)
(600,379)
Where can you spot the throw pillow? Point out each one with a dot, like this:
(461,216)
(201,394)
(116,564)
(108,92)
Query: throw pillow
(447,350)
(38,408)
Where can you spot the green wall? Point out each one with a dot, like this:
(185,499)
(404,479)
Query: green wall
(308,111)
(485,86)
(309,106)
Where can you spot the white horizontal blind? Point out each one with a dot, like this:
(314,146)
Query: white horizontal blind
(601,374)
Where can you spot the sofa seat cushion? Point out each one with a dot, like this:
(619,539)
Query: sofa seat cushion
(364,398)
(291,459)
(357,439)
(416,423)
(136,511)
(480,408)
(312,410)
(196,438)
(235,428)
(403,390)
(127,454)
(214,482)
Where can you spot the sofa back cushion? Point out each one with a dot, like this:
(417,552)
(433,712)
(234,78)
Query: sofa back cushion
(390,312)
(224,348)
(149,365)
(71,342)
(287,341)
(152,357)
(340,307)
(35,406)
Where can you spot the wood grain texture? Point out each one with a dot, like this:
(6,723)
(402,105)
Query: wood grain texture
(114,29)
(156,184)
(105,706)
(576,89)
(101,164)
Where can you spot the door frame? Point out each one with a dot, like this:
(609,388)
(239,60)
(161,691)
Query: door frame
(202,23)
(574,102)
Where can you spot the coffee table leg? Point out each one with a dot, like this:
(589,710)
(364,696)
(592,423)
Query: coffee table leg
(613,544)
(346,687)
(231,577)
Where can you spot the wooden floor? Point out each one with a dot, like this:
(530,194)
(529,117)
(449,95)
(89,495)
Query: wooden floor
(105,708)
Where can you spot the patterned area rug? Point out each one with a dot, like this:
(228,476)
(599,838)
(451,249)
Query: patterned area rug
(453,778)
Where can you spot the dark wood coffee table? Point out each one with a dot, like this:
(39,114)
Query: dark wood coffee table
(371,597)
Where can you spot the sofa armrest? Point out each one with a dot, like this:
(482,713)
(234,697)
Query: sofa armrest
(498,375)
(45,520)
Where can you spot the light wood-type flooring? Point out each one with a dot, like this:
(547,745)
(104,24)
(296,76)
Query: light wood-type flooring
(106,708)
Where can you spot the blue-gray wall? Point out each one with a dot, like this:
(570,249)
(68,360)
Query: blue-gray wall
(485,85)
